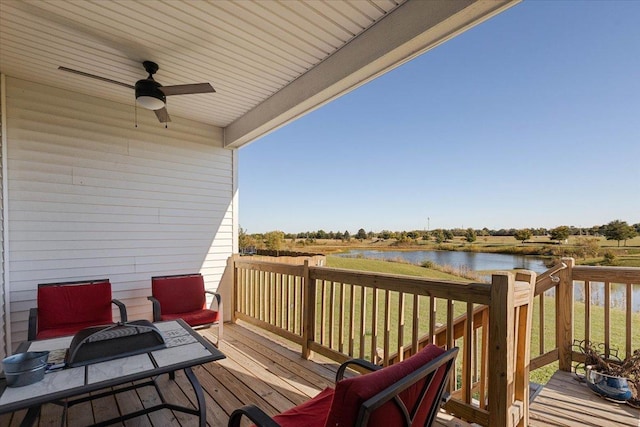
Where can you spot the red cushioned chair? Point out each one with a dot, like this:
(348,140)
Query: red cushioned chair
(408,393)
(66,308)
(183,297)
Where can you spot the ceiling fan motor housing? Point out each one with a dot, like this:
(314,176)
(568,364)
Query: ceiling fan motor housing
(149,88)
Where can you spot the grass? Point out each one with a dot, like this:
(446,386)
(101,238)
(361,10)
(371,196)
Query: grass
(388,267)
(618,319)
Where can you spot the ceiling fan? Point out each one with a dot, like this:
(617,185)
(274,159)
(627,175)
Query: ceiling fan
(151,94)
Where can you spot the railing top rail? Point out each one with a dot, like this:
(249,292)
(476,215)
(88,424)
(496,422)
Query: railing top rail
(479,293)
(548,279)
(271,267)
(606,274)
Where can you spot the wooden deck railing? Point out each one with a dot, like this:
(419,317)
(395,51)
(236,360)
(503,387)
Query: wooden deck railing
(580,301)
(384,318)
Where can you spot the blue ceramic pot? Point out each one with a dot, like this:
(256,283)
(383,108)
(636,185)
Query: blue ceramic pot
(608,386)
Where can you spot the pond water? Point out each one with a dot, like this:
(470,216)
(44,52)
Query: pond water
(478,261)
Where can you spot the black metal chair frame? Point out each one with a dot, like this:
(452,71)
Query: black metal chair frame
(392,392)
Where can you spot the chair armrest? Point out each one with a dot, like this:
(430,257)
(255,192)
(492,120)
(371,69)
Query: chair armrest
(218,299)
(361,363)
(156,309)
(123,309)
(33,324)
(255,414)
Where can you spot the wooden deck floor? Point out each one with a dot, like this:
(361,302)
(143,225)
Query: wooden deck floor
(566,402)
(268,371)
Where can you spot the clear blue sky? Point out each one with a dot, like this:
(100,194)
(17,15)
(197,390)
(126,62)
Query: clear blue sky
(531,119)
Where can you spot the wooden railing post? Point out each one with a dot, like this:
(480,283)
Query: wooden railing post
(525,286)
(564,315)
(501,335)
(308,311)
(235,291)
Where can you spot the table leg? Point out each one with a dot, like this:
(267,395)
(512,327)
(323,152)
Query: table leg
(30,417)
(197,388)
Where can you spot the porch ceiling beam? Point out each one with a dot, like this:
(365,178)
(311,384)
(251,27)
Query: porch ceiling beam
(405,33)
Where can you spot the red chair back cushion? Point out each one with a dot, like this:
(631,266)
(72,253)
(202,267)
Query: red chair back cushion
(179,294)
(351,393)
(70,304)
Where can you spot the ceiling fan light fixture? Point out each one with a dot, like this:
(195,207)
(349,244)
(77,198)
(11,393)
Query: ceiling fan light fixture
(150,102)
(149,95)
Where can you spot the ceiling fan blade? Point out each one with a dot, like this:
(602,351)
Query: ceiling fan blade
(163,115)
(187,89)
(93,76)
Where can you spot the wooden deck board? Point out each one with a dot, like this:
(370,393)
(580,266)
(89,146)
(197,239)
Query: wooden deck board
(566,402)
(268,371)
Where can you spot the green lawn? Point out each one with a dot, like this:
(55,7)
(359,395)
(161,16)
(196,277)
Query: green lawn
(378,266)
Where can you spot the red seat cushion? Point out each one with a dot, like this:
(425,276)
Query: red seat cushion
(350,393)
(312,413)
(71,307)
(194,318)
(179,294)
(65,331)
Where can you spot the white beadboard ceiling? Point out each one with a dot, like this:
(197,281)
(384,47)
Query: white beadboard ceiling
(269,61)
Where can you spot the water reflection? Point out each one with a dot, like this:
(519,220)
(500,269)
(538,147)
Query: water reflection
(476,261)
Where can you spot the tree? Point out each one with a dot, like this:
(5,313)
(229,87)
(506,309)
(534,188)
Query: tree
(346,236)
(590,246)
(438,235)
(560,233)
(523,235)
(448,235)
(273,240)
(361,234)
(619,230)
(243,239)
(470,235)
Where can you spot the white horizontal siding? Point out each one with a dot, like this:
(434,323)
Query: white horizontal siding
(91,196)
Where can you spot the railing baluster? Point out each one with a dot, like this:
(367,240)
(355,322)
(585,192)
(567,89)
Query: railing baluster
(297,296)
(287,302)
(374,325)
(341,320)
(432,320)
(260,296)
(387,326)
(363,319)
(415,334)
(466,358)
(484,363)
(451,344)
(587,310)
(332,314)
(278,299)
(607,319)
(541,331)
(352,314)
(323,312)
(401,326)
(629,317)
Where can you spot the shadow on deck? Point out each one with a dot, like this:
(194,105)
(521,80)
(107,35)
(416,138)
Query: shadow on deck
(268,371)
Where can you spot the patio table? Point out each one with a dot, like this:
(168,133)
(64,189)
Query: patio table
(185,349)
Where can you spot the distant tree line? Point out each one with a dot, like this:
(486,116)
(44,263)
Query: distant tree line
(617,230)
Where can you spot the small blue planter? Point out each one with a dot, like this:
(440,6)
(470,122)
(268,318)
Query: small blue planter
(608,386)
